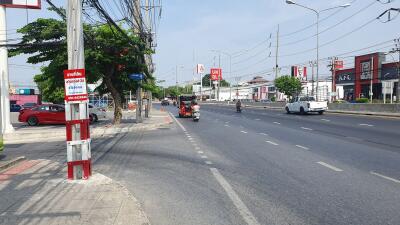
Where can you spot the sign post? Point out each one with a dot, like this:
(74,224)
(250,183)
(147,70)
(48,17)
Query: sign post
(76,98)
(200,71)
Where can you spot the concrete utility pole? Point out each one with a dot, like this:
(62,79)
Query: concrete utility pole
(312,64)
(371,93)
(219,78)
(276,62)
(397,48)
(138,28)
(6,126)
(77,113)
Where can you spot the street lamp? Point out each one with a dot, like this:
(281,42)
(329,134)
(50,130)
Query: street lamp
(317,12)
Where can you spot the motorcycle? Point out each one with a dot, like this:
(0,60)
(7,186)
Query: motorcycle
(196,115)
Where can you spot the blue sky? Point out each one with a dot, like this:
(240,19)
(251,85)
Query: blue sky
(190,29)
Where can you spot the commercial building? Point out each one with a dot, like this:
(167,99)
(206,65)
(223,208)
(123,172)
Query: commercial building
(369,72)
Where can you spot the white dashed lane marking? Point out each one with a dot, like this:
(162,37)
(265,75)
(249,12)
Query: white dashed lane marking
(200,152)
(272,143)
(325,120)
(366,125)
(208,162)
(385,177)
(244,132)
(306,128)
(264,134)
(277,123)
(305,148)
(330,166)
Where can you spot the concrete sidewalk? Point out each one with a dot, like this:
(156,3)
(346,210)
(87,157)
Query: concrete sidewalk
(36,190)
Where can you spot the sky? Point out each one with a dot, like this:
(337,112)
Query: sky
(193,31)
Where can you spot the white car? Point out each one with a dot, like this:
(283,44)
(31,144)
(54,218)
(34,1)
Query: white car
(97,113)
(306,104)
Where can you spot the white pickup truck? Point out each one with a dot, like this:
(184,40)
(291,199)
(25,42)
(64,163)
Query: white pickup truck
(304,105)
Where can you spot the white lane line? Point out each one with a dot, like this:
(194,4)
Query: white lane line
(305,148)
(277,123)
(330,167)
(208,162)
(264,134)
(385,177)
(306,128)
(272,143)
(204,157)
(179,123)
(200,152)
(227,125)
(365,124)
(197,148)
(257,119)
(227,122)
(247,216)
(325,120)
(244,132)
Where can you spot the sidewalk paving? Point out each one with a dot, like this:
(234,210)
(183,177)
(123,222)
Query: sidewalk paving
(36,191)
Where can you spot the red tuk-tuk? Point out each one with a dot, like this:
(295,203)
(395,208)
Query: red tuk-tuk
(185,105)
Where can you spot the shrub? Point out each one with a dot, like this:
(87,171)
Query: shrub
(273,99)
(362,100)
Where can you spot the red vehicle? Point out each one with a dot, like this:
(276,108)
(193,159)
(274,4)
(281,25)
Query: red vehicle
(185,105)
(43,114)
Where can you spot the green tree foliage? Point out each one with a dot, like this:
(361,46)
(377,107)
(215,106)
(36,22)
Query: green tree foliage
(110,57)
(206,81)
(288,85)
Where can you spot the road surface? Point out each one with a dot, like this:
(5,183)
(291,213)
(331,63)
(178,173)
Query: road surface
(263,167)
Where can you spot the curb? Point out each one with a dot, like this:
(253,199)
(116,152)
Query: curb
(397,116)
(12,163)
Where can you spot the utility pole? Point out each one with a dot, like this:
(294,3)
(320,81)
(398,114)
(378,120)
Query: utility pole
(312,64)
(397,48)
(276,62)
(138,29)
(219,77)
(333,69)
(4,83)
(77,112)
(371,93)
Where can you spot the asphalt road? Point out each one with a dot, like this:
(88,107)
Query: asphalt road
(263,167)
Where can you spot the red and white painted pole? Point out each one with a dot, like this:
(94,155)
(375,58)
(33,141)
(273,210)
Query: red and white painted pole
(76,98)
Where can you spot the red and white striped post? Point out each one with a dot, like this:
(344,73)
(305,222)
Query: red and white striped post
(76,97)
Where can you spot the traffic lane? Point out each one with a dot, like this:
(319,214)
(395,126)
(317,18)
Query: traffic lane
(163,170)
(385,123)
(283,184)
(356,152)
(375,135)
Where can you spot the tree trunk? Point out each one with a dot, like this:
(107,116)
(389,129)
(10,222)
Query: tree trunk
(117,100)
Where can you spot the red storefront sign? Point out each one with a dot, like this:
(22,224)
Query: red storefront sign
(24,4)
(338,64)
(75,85)
(216,74)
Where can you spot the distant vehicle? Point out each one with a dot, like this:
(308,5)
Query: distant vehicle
(96,113)
(165,102)
(304,105)
(29,105)
(15,108)
(44,114)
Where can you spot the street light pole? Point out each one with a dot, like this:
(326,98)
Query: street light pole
(317,12)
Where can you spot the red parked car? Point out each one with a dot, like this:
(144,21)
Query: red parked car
(43,114)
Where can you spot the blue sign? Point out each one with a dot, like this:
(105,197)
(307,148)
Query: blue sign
(137,77)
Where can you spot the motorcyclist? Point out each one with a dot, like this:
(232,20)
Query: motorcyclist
(195,106)
(238,105)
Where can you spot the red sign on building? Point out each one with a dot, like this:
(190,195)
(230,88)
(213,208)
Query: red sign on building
(216,74)
(338,64)
(75,85)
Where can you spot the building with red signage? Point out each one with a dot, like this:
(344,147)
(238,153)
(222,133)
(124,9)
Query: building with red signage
(369,72)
